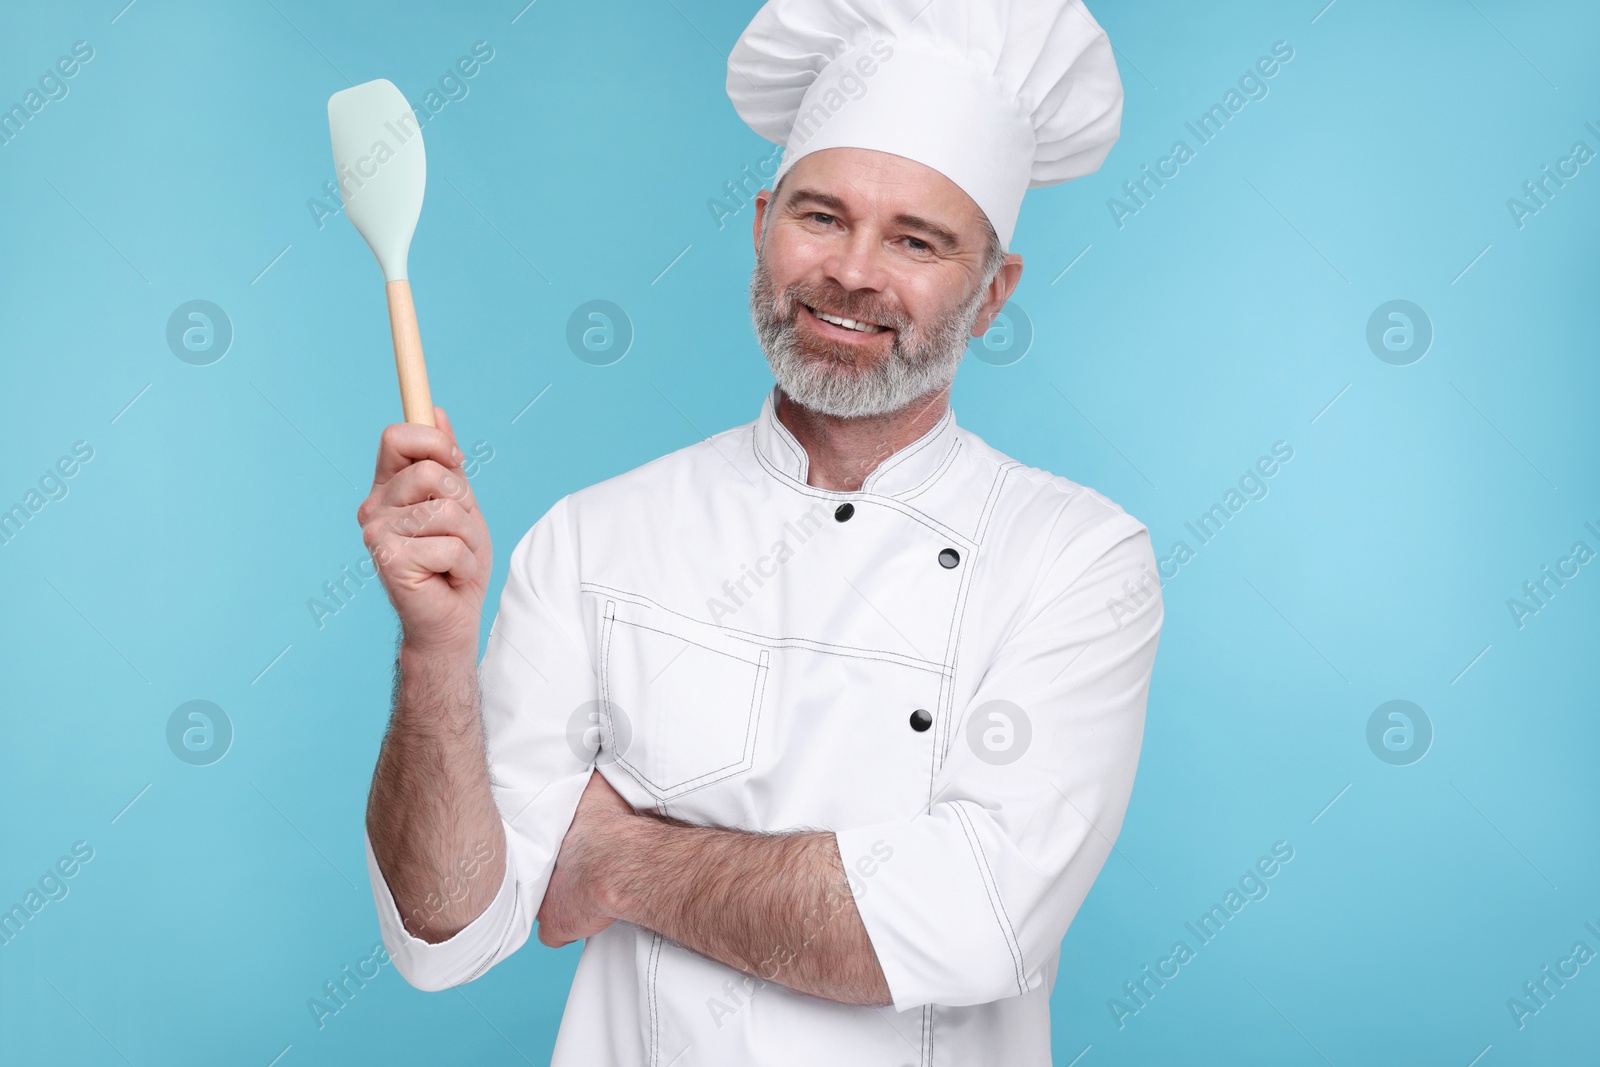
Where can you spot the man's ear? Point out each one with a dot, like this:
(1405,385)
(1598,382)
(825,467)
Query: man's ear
(763,201)
(1001,287)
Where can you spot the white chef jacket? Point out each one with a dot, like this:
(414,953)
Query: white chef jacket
(756,656)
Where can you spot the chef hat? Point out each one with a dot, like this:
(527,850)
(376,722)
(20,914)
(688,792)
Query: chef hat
(999,96)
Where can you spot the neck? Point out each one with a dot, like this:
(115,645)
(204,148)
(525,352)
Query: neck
(842,452)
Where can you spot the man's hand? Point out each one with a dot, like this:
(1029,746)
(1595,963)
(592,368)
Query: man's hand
(577,901)
(431,804)
(427,536)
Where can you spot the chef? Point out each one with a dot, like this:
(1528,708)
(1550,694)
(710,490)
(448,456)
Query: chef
(816,733)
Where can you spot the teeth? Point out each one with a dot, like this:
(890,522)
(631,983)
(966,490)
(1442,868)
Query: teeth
(849,324)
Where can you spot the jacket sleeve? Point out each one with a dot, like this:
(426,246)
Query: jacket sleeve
(967,901)
(536,679)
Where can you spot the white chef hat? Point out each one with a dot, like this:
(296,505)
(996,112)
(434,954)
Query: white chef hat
(999,96)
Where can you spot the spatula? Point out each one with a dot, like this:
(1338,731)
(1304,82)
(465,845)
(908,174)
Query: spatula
(381,169)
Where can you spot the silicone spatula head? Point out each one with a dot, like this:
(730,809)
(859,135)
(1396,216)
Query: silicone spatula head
(381,168)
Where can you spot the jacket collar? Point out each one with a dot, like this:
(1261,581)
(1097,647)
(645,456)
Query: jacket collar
(906,471)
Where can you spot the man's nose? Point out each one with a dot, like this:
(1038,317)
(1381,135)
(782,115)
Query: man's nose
(858,262)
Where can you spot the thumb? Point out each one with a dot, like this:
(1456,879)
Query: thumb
(442,421)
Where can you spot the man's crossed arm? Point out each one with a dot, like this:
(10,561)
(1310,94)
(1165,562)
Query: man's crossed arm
(775,906)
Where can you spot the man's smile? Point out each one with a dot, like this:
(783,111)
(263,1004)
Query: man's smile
(838,325)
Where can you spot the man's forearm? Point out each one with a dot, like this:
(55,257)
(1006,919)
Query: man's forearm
(435,830)
(776,906)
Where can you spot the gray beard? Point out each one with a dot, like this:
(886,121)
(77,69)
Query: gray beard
(826,378)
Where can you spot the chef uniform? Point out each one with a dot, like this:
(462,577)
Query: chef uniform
(946,668)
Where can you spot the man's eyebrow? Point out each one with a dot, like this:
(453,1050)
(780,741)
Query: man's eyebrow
(942,235)
(821,199)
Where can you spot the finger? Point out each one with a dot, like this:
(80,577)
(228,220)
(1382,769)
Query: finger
(425,480)
(414,559)
(438,518)
(405,443)
(443,422)
(449,556)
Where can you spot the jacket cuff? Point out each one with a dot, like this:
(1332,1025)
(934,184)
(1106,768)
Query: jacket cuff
(457,960)
(931,910)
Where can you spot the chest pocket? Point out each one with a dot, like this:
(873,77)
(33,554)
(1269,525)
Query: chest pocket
(684,701)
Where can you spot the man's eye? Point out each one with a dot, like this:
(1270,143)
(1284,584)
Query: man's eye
(822,217)
(917,244)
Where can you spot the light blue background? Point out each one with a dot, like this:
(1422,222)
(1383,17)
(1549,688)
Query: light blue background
(1227,315)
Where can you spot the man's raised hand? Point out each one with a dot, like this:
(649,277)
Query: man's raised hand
(427,537)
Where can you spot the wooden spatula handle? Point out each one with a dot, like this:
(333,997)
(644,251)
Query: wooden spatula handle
(414,396)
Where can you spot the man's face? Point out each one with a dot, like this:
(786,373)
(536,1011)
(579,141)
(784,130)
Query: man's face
(888,243)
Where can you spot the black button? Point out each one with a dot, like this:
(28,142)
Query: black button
(844,511)
(949,558)
(920,720)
